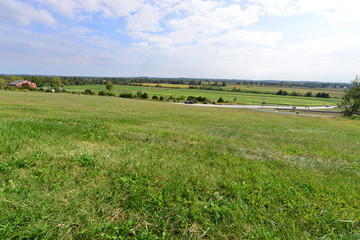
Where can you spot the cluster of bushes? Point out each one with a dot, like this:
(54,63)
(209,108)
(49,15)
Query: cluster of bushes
(103,93)
(126,95)
(27,87)
(144,95)
(19,89)
(138,95)
(322,95)
(286,93)
(88,92)
(199,99)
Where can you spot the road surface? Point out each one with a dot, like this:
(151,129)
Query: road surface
(264,108)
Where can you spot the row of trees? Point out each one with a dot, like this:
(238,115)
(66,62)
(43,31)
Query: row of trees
(308,94)
(144,95)
(43,81)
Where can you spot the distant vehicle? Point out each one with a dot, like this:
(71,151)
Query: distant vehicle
(327,106)
(189,102)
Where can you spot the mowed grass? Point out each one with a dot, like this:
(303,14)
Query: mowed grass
(241,97)
(334,92)
(91,167)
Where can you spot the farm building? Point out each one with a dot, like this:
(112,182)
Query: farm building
(18,83)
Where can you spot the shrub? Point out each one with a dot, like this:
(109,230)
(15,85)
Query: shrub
(26,86)
(182,98)
(126,95)
(139,94)
(144,95)
(280,92)
(57,89)
(322,95)
(102,93)
(155,97)
(88,92)
(220,100)
(109,85)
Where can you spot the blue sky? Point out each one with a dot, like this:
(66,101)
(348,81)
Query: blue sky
(310,40)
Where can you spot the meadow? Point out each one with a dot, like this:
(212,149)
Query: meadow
(90,167)
(334,92)
(241,97)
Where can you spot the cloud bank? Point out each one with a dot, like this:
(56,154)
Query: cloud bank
(254,39)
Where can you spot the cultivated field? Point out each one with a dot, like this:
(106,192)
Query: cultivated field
(241,97)
(91,167)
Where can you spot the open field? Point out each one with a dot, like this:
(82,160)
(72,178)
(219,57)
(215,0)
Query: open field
(241,98)
(334,92)
(91,167)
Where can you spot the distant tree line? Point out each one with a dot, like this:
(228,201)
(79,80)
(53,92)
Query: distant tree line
(47,81)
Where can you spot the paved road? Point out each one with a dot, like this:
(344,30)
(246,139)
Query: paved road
(257,106)
(263,108)
(294,113)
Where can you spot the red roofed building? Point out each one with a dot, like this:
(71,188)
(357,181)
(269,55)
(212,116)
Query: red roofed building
(18,83)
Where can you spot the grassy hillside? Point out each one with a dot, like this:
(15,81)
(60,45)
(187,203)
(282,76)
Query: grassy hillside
(242,98)
(90,167)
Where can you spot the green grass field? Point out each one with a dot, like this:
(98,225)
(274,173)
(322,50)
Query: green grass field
(241,98)
(91,167)
(334,92)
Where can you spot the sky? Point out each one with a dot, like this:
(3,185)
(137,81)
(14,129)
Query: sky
(302,40)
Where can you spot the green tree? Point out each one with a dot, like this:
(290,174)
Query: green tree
(13,78)
(220,100)
(2,82)
(351,100)
(280,92)
(144,96)
(139,94)
(26,86)
(109,85)
(55,82)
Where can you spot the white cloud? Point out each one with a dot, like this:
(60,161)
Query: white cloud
(193,38)
(22,13)
(346,11)
(108,8)
(243,39)
(146,19)
(190,21)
